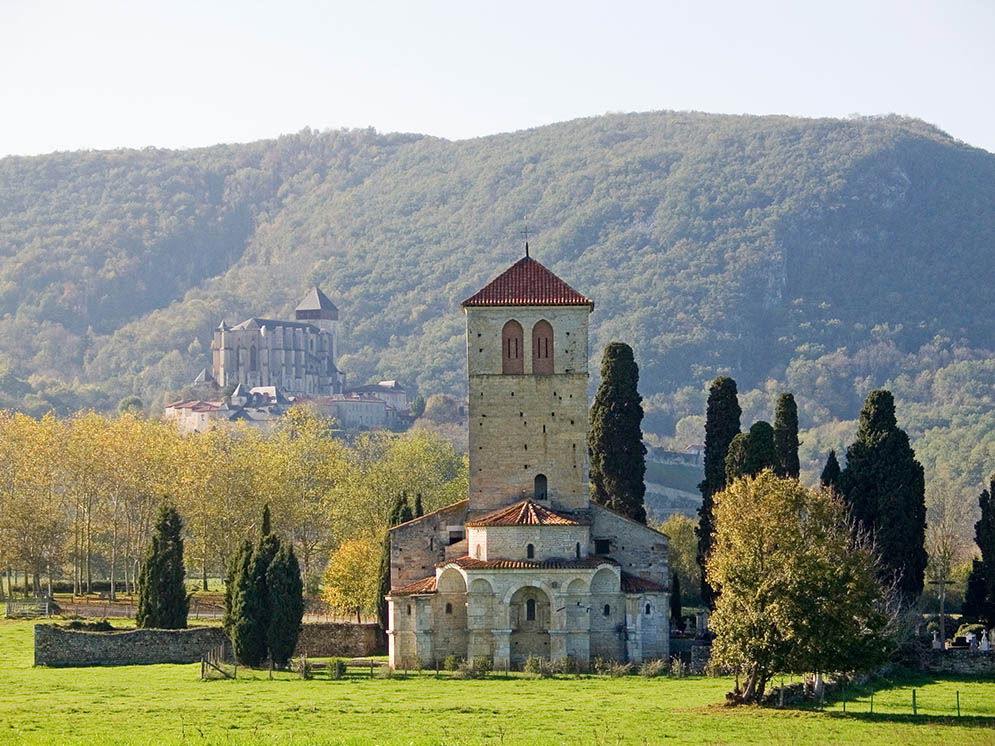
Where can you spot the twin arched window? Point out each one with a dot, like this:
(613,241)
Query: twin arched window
(513,353)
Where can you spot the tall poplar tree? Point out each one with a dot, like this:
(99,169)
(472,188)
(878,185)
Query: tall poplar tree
(618,456)
(162,596)
(721,426)
(885,488)
(786,436)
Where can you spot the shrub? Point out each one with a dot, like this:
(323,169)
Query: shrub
(386,672)
(337,669)
(102,626)
(652,669)
(477,668)
(303,666)
(533,664)
(451,663)
(613,668)
(965,629)
(678,668)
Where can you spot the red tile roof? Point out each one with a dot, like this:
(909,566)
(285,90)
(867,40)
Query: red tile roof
(635,584)
(425,585)
(525,513)
(468,563)
(527,283)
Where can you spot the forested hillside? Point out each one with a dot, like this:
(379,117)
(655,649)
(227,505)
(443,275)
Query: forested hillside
(824,256)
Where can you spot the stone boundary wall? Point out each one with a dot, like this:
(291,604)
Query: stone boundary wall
(340,639)
(969,662)
(59,647)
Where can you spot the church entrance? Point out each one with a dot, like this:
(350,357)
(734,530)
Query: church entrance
(529,616)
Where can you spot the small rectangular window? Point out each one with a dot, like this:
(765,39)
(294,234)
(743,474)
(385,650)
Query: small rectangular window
(602,546)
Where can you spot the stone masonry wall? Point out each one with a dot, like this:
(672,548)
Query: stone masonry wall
(639,550)
(59,647)
(959,662)
(418,545)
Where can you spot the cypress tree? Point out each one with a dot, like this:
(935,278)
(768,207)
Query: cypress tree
(404,512)
(286,597)
(162,597)
(615,444)
(264,531)
(721,426)
(760,450)
(396,511)
(676,612)
(885,488)
(419,511)
(984,537)
(736,457)
(830,477)
(976,607)
(251,607)
(237,567)
(786,437)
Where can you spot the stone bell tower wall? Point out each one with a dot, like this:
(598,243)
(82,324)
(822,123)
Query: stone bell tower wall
(525,425)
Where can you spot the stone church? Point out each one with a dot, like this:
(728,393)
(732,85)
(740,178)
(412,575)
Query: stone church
(297,357)
(527,565)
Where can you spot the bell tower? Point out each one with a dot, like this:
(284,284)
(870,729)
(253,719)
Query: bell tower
(526,337)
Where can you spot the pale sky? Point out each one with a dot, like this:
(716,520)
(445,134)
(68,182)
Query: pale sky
(78,74)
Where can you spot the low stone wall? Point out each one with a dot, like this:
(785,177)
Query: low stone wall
(958,661)
(59,647)
(344,640)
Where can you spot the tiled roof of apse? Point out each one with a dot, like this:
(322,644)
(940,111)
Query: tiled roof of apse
(525,513)
(527,283)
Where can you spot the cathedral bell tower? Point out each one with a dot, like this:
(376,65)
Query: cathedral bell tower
(526,339)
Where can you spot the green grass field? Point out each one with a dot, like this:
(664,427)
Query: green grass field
(169,704)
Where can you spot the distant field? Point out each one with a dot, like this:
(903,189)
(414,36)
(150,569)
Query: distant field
(169,705)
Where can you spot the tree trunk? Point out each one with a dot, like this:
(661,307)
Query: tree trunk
(89,545)
(204,571)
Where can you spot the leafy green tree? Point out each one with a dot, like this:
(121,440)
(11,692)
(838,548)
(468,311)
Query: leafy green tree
(682,549)
(130,405)
(885,487)
(721,426)
(795,591)
(418,406)
(786,436)
(286,596)
(830,477)
(615,444)
(162,597)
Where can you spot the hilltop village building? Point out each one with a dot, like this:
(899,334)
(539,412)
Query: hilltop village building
(527,565)
(298,357)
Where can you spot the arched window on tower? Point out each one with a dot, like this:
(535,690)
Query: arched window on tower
(530,551)
(252,358)
(542,348)
(512,354)
(541,490)
(530,610)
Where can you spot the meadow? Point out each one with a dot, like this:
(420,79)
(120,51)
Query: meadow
(169,704)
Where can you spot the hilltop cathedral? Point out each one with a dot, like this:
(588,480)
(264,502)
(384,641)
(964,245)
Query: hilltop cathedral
(527,565)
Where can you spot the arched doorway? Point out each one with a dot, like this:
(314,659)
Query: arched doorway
(529,616)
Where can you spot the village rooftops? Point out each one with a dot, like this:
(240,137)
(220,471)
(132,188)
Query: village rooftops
(525,513)
(527,283)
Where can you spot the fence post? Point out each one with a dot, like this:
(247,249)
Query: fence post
(914,710)
(958,703)
(872,701)
(844,698)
